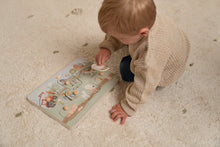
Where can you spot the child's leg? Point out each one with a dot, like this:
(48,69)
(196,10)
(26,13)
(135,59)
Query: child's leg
(125,71)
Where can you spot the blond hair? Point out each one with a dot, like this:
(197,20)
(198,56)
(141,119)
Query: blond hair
(126,16)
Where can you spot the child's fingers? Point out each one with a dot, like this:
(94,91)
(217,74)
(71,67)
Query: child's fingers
(103,60)
(106,57)
(123,119)
(114,106)
(113,110)
(98,59)
(114,114)
(117,117)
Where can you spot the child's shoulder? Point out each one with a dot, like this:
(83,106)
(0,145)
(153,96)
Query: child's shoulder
(163,26)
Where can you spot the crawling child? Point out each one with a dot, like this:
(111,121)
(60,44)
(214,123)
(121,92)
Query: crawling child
(158,50)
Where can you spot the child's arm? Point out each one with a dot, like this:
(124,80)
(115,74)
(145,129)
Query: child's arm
(111,43)
(108,45)
(148,71)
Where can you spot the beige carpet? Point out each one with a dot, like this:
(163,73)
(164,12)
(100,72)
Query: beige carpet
(184,114)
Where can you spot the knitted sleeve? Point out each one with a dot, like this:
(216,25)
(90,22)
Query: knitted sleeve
(165,57)
(147,71)
(111,43)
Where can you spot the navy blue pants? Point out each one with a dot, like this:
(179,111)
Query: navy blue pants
(125,71)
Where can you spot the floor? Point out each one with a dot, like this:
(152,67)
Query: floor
(40,37)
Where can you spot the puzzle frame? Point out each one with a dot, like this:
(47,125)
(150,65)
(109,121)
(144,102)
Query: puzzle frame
(72,92)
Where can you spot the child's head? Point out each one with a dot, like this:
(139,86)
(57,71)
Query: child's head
(127,18)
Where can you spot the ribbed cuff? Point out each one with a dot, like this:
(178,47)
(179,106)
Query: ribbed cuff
(127,108)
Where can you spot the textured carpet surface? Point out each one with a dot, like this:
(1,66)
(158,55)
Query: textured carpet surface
(185,114)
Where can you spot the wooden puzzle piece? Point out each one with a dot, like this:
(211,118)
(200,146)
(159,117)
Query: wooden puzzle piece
(99,67)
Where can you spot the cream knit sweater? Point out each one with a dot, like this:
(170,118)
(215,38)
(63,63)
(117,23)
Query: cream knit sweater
(157,60)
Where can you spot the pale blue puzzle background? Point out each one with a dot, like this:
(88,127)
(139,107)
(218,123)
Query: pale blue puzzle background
(71,87)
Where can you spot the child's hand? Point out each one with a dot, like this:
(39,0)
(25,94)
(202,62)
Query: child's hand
(117,112)
(102,56)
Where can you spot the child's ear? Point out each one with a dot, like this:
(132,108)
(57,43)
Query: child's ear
(144,31)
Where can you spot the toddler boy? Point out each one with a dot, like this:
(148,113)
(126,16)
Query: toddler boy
(158,50)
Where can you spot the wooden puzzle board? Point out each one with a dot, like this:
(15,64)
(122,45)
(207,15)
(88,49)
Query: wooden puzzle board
(69,94)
